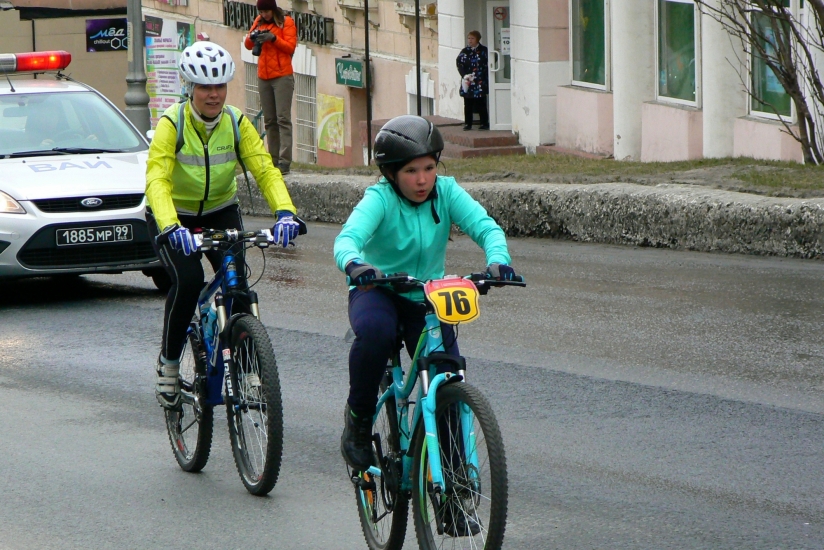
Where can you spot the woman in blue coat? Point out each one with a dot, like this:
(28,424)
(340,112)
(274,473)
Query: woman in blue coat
(402,224)
(473,65)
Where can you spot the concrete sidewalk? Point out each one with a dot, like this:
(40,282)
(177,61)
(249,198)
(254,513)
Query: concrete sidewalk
(668,215)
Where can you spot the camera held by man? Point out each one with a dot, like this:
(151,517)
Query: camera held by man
(259,37)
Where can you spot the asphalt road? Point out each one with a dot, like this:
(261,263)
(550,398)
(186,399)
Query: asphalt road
(647,398)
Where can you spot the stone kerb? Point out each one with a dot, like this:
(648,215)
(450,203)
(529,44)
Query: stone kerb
(671,216)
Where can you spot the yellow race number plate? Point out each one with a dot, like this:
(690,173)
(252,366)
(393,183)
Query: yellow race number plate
(455,299)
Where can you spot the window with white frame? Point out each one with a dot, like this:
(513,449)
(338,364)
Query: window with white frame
(427,94)
(252,97)
(306,121)
(305,65)
(678,70)
(589,42)
(768,95)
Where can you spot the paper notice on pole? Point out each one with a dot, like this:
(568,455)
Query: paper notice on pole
(165,39)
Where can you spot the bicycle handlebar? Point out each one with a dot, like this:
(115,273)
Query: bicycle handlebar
(219,238)
(481,280)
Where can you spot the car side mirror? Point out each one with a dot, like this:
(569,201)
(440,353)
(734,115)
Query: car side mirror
(150,134)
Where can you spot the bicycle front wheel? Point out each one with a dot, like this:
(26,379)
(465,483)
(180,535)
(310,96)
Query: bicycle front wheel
(382,507)
(190,427)
(471,511)
(256,413)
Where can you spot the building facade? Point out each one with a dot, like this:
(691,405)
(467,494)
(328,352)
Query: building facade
(633,79)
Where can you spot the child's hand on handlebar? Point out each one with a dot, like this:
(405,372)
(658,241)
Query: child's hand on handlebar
(361,274)
(501,272)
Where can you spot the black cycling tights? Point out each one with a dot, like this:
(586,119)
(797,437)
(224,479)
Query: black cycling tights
(188,276)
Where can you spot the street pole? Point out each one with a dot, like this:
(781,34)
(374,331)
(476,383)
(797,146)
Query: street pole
(418,50)
(368,83)
(137,99)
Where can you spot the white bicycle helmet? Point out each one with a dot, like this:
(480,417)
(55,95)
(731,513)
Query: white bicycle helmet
(206,63)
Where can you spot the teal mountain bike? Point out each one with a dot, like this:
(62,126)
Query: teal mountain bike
(443,450)
(228,359)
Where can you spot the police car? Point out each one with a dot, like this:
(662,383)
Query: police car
(72,176)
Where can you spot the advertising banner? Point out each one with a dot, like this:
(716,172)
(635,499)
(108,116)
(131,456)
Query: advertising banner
(165,39)
(331,128)
(106,35)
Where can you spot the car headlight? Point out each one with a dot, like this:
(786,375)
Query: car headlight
(10,206)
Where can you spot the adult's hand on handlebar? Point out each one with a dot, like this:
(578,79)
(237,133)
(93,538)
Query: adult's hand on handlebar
(182,240)
(286,229)
(361,274)
(501,272)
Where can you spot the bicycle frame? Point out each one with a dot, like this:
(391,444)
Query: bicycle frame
(218,355)
(431,341)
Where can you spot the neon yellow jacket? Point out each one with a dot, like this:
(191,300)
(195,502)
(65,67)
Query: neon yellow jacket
(173,188)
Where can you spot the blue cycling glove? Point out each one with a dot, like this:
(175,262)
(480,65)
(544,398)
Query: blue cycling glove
(500,272)
(360,274)
(180,239)
(286,228)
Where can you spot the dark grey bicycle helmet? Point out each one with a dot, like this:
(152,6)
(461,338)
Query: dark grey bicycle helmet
(405,138)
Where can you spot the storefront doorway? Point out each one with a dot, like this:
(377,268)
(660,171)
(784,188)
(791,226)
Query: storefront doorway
(500,65)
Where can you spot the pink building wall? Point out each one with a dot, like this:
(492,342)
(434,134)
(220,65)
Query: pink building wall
(584,120)
(670,133)
(765,139)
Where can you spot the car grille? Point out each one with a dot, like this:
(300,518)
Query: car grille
(72,204)
(105,254)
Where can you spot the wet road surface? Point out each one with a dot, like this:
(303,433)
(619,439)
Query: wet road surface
(647,398)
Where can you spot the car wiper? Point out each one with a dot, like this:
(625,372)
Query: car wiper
(36,153)
(84,150)
(60,151)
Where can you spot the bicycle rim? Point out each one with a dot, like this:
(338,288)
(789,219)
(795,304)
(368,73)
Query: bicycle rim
(190,428)
(383,508)
(256,415)
(471,512)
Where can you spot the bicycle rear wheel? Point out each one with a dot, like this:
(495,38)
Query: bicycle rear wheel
(256,415)
(471,512)
(190,428)
(383,508)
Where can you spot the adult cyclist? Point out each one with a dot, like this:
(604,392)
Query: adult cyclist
(190,183)
(402,224)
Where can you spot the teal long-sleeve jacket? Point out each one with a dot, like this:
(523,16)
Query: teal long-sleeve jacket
(396,235)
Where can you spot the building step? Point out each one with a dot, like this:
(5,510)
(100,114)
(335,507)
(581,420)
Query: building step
(455,151)
(479,138)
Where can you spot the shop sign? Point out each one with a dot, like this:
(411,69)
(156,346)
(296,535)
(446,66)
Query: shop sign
(106,35)
(349,72)
(310,27)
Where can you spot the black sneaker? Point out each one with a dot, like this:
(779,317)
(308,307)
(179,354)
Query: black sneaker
(483,127)
(461,525)
(468,127)
(284,168)
(356,440)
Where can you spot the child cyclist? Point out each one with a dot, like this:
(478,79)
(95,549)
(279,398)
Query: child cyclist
(402,224)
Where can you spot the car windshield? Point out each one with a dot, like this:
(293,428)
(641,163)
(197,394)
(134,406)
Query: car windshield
(71,121)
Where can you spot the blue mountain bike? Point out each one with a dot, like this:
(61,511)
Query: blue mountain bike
(228,359)
(444,449)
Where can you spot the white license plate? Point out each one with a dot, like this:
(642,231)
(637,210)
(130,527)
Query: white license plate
(94,235)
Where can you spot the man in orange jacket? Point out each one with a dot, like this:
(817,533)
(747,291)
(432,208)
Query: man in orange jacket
(277,36)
